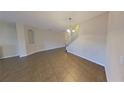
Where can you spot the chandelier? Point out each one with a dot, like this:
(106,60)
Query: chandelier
(72,27)
(72,32)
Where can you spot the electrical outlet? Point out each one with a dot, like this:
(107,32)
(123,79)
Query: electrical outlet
(122,59)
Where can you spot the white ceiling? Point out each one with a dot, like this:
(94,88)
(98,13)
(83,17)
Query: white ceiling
(48,20)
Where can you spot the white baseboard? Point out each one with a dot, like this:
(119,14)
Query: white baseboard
(86,58)
(41,51)
(8,56)
(31,53)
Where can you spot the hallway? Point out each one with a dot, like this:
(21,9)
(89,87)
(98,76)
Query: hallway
(50,66)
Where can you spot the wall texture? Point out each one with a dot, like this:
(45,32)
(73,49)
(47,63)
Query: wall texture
(91,42)
(21,38)
(44,40)
(14,40)
(115,47)
(8,40)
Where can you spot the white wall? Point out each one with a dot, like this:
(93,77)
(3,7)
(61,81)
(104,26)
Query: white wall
(44,40)
(14,40)
(49,39)
(8,40)
(91,42)
(21,38)
(115,47)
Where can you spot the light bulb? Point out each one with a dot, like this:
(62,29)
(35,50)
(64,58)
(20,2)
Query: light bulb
(68,30)
(73,30)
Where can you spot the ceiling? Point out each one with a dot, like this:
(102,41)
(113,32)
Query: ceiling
(54,20)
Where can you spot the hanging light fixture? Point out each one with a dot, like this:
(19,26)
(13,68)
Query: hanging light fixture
(72,32)
(72,28)
(69,27)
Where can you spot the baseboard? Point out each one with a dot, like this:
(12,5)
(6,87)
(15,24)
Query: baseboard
(43,50)
(9,56)
(86,58)
(32,53)
(51,49)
